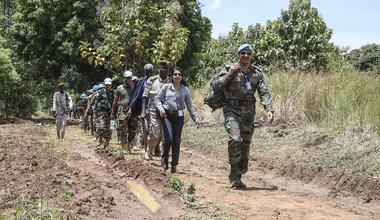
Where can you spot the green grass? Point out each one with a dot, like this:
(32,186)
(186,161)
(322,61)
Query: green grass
(205,137)
(335,100)
(29,210)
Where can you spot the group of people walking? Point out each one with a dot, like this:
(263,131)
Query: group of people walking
(158,103)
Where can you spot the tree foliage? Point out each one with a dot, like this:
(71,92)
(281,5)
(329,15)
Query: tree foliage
(46,35)
(298,39)
(15,99)
(137,32)
(367,58)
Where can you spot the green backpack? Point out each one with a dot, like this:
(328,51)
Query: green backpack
(214,99)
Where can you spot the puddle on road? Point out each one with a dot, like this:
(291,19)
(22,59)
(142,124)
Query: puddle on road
(144,196)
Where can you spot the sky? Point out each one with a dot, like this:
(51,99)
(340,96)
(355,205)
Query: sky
(354,22)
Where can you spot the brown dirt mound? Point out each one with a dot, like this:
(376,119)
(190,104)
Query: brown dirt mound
(153,177)
(361,185)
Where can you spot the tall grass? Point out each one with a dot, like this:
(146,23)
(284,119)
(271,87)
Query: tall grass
(335,100)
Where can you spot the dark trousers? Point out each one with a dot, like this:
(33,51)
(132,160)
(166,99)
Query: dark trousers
(172,126)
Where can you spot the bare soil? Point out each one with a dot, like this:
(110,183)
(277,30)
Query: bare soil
(82,181)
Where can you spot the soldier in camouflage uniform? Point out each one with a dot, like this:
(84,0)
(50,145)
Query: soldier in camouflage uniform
(152,87)
(89,112)
(81,107)
(102,112)
(239,83)
(62,104)
(120,102)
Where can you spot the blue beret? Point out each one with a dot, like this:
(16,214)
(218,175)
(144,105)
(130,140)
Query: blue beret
(245,47)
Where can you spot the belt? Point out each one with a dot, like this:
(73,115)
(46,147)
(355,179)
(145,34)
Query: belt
(241,102)
(171,112)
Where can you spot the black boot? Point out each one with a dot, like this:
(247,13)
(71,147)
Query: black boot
(164,163)
(235,179)
(174,169)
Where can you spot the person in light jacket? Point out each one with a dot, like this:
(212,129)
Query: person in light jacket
(170,102)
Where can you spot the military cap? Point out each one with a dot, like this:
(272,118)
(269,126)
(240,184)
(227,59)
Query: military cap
(245,47)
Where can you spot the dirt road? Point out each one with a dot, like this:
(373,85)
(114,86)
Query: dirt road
(95,182)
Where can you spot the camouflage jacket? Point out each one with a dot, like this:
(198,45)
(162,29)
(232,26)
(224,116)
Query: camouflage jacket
(240,88)
(103,102)
(82,104)
(62,103)
(152,87)
(90,104)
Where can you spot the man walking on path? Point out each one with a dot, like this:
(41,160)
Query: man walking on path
(120,102)
(62,105)
(102,112)
(134,107)
(239,83)
(152,87)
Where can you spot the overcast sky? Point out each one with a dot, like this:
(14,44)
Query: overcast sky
(355,22)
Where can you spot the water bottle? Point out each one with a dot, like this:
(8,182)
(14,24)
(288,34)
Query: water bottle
(112,125)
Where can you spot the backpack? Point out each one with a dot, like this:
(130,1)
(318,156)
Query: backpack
(214,99)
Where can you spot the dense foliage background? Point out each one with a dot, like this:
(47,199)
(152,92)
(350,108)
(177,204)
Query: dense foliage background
(82,42)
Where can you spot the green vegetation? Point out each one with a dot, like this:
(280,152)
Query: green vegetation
(29,210)
(367,58)
(187,192)
(42,46)
(66,193)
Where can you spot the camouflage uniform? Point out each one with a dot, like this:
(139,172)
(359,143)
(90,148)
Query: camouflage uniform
(89,113)
(62,103)
(152,87)
(239,112)
(102,110)
(82,105)
(126,125)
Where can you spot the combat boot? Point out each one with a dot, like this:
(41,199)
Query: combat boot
(235,179)
(148,155)
(106,143)
(100,141)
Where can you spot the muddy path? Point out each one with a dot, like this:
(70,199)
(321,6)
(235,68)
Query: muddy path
(110,176)
(99,182)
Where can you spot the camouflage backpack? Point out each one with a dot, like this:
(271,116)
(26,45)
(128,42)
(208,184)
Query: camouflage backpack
(214,99)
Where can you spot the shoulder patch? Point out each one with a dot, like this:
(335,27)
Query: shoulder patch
(257,68)
(153,77)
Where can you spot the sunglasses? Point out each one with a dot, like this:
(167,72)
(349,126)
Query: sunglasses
(177,74)
(246,53)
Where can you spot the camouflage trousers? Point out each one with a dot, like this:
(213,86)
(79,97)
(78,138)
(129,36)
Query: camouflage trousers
(239,126)
(91,124)
(103,125)
(128,129)
(144,131)
(155,130)
(61,120)
(83,124)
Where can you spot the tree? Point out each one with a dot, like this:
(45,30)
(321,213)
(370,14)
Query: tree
(8,77)
(46,35)
(367,58)
(135,33)
(304,35)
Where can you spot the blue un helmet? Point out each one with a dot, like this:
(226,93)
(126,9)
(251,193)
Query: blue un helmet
(101,86)
(91,91)
(83,96)
(95,88)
